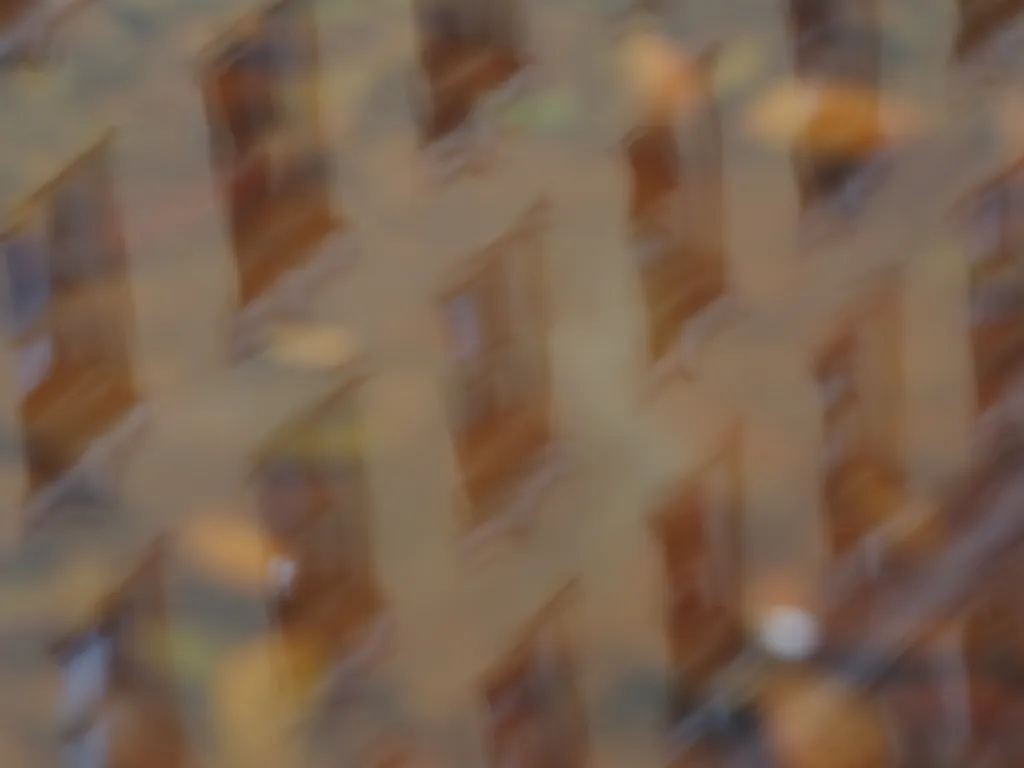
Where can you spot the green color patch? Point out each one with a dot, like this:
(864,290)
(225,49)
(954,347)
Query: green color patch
(194,653)
(548,111)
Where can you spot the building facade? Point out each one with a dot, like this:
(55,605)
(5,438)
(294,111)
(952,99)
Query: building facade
(586,345)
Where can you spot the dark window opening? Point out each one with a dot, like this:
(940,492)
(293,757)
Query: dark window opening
(496,324)
(676,218)
(119,705)
(72,320)
(838,155)
(981,20)
(268,152)
(536,714)
(997,287)
(862,489)
(466,50)
(838,41)
(698,532)
(315,505)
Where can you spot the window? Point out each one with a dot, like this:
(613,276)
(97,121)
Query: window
(997,285)
(314,503)
(72,320)
(993,650)
(812,19)
(118,662)
(981,20)
(838,155)
(837,383)
(677,221)
(837,41)
(535,712)
(260,89)
(699,533)
(466,50)
(495,323)
(655,164)
(859,383)
(27,27)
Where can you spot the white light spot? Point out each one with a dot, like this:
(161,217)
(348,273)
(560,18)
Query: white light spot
(282,574)
(790,633)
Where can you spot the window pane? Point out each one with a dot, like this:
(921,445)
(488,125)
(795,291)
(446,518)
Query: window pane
(1014,216)
(244,90)
(29,279)
(989,224)
(72,232)
(286,497)
(35,360)
(85,679)
(292,38)
(91,750)
(465,325)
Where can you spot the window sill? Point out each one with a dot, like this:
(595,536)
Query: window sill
(94,470)
(518,512)
(827,216)
(684,356)
(288,295)
(979,30)
(865,563)
(369,647)
(25,35)
(465,143)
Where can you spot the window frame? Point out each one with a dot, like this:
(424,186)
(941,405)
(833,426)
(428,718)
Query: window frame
(133,614)
(846,46)
(977,28)
(870,458)
(276,233)
(713,564)
(492,453)
(683,266)
(996,276)
(88,392)
(475,62)
(546,701)
(27,36)
(348,565)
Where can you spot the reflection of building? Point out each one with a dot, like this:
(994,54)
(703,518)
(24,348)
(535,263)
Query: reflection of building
(73,317)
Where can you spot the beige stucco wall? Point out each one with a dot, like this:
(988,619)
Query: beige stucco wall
(628,444)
